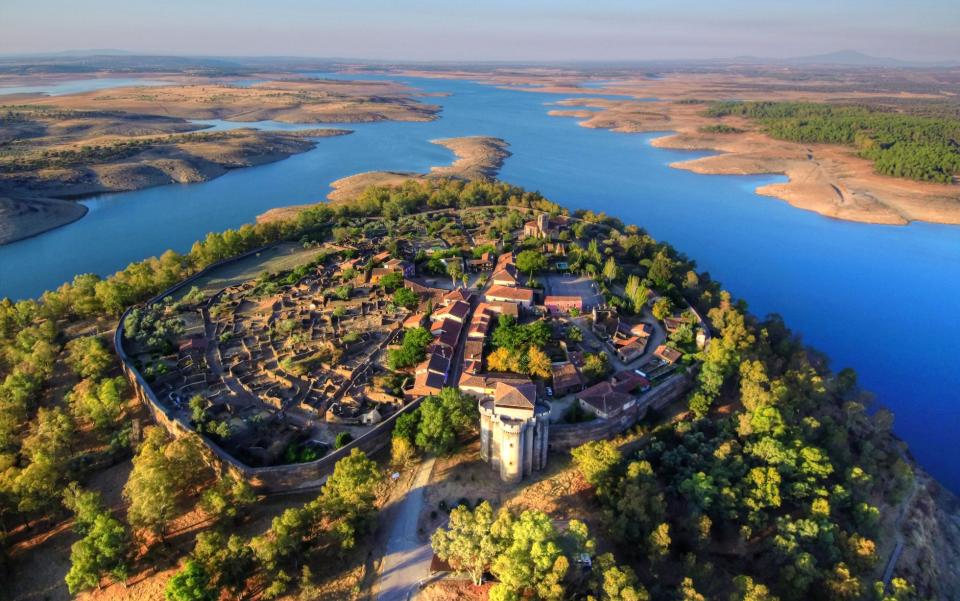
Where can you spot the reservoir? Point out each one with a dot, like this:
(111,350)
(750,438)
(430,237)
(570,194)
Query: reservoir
(880,299)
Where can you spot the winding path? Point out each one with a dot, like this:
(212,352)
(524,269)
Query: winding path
(407,559)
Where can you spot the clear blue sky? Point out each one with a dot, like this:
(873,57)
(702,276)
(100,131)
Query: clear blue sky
(487,29)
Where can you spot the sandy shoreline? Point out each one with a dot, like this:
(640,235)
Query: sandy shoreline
(476,158)
(827,179)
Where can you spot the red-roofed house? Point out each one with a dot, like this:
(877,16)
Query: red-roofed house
(523,296)
(399,265)
(459,294)
(630,349)
(425,383)
(610,398)
(416,320)
(505,276)
(563,304)
(457,311)
(667,354)
(566,378)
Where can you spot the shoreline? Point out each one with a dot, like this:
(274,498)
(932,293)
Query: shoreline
(475,158)
(79,211)
(825,179)
(26,217)
(829,180)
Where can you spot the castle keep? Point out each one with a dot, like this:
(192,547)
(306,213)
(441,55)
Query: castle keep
(514,428)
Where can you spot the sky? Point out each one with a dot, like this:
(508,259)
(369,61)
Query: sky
(467,30)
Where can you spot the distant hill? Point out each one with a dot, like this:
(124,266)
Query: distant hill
(849,58)
(69,53)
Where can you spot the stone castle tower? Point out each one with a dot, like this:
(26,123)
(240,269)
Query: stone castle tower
(543,224)
(514,429)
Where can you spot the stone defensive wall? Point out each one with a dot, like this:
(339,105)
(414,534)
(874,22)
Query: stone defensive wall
(564,437)
(271,479)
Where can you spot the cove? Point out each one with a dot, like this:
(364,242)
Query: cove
(880,299)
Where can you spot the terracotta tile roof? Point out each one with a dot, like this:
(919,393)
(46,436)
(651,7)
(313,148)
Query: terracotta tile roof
(438,348)
(505,274)
(668,354)
(449,332)
(397,264)
(459,294)
(426,383)
(414,321)
(673,323)
(502,307)
(473,349)
(519,396)
(508,293)
(604,398)
(566,375)
(457,309)
(486,383)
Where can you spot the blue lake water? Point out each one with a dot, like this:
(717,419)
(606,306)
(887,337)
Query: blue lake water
(81,85)
(881,299)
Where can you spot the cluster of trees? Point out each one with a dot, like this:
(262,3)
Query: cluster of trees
(720,128)
(406,298)
(412,350)
(166,475)
(788,475)
(519,348)
(531,558)
(912,146)
(419,195)
(153,326)
(436,425)
(531,262)
(105,545)
(324,528)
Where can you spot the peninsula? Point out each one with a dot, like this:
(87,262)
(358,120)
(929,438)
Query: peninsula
(610,399)
(477,158)
(60,148)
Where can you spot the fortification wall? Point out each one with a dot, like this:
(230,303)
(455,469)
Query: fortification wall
(273,479)
(567,436)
